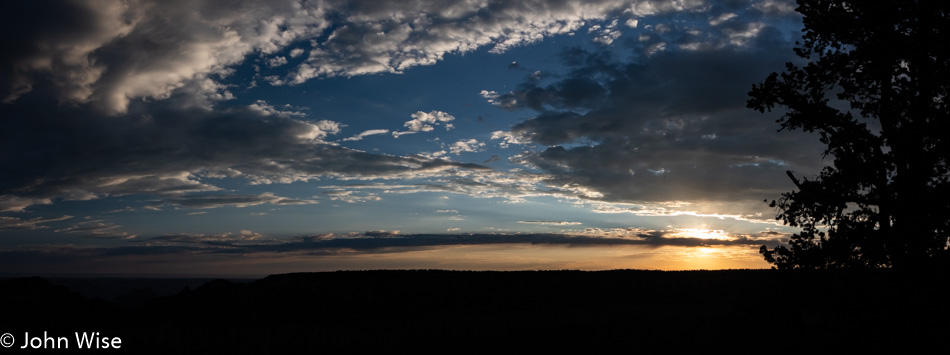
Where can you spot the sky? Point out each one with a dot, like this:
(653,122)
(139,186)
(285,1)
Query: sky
(249,138)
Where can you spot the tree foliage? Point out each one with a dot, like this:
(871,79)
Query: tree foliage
(875,89)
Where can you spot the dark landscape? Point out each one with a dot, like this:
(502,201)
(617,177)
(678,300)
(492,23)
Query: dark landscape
(461,311)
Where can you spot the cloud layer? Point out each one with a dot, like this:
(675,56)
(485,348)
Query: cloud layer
(111,54)
(158,149)
(667,124)
(131,97)
(123,95)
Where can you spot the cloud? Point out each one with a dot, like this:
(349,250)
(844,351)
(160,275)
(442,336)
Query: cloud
(511,186)
(276,61)
(508,138)
(14,203)
(350,196)
(366,133)
(493,159)
(16,224)
(109,54)
(426,122)
(606,34)
(551,223)
(392,36)
(466,145)
(296,52)
(124,209)
(161,149)
(741,210)
(249,243)
(775,7)
(97,229)
(666,126)
(127,98)
(224,240)
(232,200)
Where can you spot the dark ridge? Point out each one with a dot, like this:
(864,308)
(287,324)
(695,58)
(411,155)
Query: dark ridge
(128,288)
(467,311)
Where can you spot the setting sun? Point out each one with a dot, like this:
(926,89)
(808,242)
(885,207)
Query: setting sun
(702,233)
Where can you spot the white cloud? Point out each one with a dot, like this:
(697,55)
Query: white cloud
(268,109)
(552,223)
(778,7)
(389,37)
(351,196)
(296,52)
(426,122)
(466,145)
(306,131)
(742,36)
(366,133)
(722,18)
(148,49)
(507,138)
(489,95)
(608,34)
(276,61)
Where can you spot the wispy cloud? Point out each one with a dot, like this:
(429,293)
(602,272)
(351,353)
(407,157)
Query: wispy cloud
(14,223)
(98,229)
(552,223)
(366,133)
(232,200)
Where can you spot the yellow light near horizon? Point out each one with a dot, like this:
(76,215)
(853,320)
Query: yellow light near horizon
(701,233)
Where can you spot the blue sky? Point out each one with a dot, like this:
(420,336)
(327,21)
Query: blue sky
(192,137)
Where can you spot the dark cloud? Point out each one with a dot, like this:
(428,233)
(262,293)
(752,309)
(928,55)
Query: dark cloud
(248,242)
(225,240)
(493,159)
(69,152)
(143,254)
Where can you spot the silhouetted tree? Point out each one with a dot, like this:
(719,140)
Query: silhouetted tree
(876,90)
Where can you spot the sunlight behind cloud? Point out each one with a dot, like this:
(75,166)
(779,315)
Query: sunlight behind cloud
(701,233)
